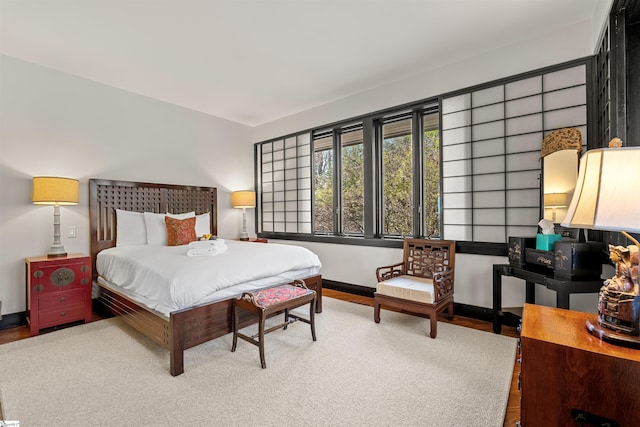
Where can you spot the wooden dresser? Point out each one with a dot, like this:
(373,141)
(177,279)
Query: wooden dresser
(58,291)
(567,373)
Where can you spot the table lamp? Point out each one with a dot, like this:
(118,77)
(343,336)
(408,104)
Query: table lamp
(244,200)
(51,190)
(555,200)
(607,198)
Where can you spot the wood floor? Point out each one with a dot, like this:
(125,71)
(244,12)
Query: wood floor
(513,405)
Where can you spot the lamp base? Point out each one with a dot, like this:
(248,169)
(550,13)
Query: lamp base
(611,336)
(56,251)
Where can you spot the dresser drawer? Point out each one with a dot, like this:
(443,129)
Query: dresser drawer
(61,315)
(48,277)
(62,300)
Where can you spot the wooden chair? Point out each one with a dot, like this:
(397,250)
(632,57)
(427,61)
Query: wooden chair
(421,284)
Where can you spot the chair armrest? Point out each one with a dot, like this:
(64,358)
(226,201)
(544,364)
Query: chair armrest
(442,284)
(389,271)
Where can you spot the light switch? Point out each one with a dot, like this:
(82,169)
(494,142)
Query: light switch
(71,232)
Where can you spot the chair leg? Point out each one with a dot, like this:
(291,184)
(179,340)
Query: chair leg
(234,321)
(433,316)
(261,338)
(376,311)
(450,311)
(312,318)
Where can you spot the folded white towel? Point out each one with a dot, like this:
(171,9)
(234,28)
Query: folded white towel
(207,243)
(210,251)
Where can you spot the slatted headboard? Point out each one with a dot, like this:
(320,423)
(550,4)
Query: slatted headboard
(105,196)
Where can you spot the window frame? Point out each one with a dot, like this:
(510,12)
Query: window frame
(372,161)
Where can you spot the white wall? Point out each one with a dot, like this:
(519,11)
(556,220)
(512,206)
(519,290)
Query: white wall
(57,124)
(356,264)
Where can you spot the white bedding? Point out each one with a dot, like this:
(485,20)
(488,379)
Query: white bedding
(166,279)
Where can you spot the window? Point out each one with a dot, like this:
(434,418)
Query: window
(397,177)
(464,167)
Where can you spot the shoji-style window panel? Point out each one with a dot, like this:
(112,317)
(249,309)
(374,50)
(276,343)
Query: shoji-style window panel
(491,141)
(285,185)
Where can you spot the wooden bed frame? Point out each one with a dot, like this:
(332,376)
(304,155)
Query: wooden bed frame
(184,328)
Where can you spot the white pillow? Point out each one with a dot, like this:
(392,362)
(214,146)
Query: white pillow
(156,229)
(203,224)
(130,228)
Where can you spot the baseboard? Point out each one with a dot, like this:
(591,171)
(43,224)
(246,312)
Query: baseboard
(465,310)
(13,320)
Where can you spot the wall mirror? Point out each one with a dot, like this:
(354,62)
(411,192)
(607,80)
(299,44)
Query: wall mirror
(561,156)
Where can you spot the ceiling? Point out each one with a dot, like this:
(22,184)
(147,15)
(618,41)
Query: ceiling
(254,61)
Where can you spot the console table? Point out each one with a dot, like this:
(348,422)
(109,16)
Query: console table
(562,287)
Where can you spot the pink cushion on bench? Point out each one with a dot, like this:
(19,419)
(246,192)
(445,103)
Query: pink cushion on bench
(270,296)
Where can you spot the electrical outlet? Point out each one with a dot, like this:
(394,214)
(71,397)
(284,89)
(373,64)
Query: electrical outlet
(72,232)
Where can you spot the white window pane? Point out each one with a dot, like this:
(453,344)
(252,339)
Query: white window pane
(267,158)
(489,234)
(304,183)
(489,216)
(565,98)
(488,130)
(306,228)
(456,152)
(290,164)
(523,161)
(266,197)
(494,181)
(456,120)
(278,227)
(489,147)
(488,113)
(456,184)
(278,207)
(304,205)
(278,175)
(457,232)
(523,198)
(291,195)
(304,194)
(267,187)
(292,217)
(278,166)
(290,142)
(267,216)
(457,216)
(267,207)
(524,124)
(564,78)
(278,217)
(456,136)
(290,153)
(489,199)
(568,117)
(304,161)
(456,200)
(278,186)
(456,168)
(304,172)
(487,96)
(291,174)
(267,167)
(525,179)
(267,227)
(304,140)
(291,227)
(523,216)
(304,217)
(456,103)
(523,106)
(267,148)
(488,165)
(527,142)
(278,145)
(523,88)
(278,197)
(278,155)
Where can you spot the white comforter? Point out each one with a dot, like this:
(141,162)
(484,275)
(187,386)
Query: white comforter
(173,280)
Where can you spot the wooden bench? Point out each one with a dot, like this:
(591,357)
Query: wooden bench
(270,301)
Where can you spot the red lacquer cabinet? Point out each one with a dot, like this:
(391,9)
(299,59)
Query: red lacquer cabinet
(58,291)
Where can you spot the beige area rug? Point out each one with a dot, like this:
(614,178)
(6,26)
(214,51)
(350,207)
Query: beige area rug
(358,373)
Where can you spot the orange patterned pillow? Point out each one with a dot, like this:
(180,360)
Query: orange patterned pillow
(180,231)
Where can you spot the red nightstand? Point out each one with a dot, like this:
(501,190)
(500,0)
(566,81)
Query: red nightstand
(58,291)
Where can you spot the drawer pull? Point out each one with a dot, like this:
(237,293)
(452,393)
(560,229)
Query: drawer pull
(62,314)
(61,299)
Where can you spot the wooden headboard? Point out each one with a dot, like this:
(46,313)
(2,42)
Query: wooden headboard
(105,196)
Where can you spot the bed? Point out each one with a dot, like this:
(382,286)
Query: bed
(183,328)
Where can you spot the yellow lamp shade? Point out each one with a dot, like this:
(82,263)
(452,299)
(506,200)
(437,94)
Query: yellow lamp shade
(51,190)
(243,199)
